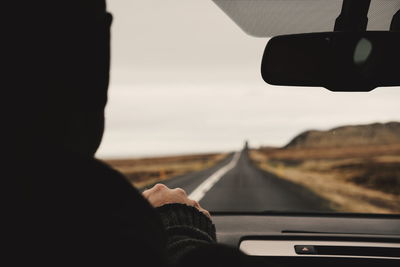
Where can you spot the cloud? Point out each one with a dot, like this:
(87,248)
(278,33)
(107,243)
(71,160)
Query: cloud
(186,79)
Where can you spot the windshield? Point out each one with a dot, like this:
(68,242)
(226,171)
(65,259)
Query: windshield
(188,108)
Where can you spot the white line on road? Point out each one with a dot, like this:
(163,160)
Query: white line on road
(203,188)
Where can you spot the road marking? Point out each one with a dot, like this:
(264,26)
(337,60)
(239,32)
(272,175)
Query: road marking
(205,186)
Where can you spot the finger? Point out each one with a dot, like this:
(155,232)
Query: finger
(205,212)
(155,188)
(160,187)
(146,193)
(180,191)
(195,204)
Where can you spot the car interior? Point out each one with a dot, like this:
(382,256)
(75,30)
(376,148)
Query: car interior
(341,46)
(292,239)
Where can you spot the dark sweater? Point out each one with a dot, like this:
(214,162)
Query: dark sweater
(186,229)
(66,210)
(82,211)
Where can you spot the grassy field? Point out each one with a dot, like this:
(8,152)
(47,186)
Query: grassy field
(143,172)
(363,179)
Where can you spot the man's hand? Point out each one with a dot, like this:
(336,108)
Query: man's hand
(160,195)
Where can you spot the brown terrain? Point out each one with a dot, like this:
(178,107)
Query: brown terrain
(143,172)
(356,168)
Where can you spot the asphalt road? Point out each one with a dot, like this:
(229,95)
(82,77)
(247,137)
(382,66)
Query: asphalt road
(244,187)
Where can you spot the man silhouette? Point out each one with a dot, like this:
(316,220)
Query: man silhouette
(69,208)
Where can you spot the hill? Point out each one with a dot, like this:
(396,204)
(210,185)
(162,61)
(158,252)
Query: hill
(345,136)
(356,168)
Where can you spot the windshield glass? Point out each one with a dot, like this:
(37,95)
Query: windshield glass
(188,108)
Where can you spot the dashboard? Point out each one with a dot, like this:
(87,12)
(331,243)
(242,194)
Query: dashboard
(293,239)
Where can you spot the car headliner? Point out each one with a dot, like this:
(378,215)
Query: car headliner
(265,18)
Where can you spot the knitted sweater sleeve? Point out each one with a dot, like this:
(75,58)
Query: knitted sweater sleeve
(187,229)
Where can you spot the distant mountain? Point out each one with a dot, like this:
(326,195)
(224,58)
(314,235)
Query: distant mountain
(353,135)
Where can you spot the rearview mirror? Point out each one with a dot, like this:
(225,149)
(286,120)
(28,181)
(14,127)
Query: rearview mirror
(338,61)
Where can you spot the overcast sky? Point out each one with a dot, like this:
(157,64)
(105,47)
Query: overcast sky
(186,79)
